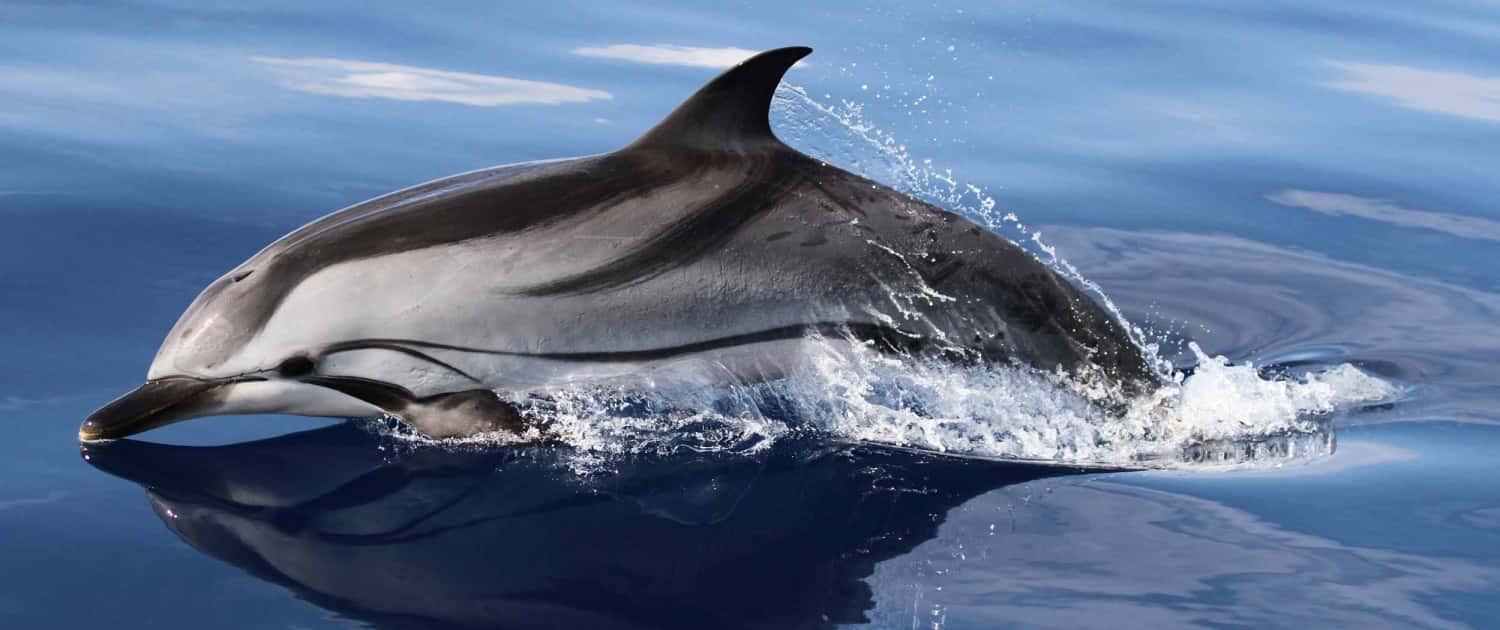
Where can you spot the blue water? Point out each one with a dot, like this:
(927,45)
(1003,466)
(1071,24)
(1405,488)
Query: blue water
(1281,183)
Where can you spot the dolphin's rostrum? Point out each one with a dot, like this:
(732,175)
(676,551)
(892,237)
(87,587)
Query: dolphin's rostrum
(706,249)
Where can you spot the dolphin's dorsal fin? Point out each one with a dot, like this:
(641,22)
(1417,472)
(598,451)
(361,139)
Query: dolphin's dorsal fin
(732,112)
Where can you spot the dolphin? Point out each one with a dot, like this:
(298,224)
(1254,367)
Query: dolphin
(705,251)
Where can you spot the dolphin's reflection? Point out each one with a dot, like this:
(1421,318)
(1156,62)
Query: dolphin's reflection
(514,538)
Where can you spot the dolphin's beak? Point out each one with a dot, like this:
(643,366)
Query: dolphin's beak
(156,403)
(162,401)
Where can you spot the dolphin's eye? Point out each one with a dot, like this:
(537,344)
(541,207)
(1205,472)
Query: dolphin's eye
(296,366)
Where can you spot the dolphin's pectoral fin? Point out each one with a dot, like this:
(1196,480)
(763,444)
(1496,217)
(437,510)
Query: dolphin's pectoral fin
(732,111)
(440,416)
(462,414)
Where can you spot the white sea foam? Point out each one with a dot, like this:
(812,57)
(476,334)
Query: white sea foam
(1222,413)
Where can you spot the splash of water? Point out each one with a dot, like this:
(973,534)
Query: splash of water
(1222,413)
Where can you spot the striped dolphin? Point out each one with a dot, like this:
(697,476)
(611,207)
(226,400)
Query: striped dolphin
(707,249)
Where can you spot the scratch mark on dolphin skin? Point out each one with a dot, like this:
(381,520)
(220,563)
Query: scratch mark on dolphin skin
(923,288)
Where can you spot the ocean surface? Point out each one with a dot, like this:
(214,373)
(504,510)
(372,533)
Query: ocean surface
(1293,202)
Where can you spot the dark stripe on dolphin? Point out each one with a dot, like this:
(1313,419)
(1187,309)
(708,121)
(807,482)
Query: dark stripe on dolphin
(377,345)
(765,184)
(889,339)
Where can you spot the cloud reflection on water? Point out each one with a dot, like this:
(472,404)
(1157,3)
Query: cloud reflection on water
(670,55)
(1441,91)
(1384,211)
(353,78)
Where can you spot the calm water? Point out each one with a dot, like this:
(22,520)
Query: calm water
(1283,184)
